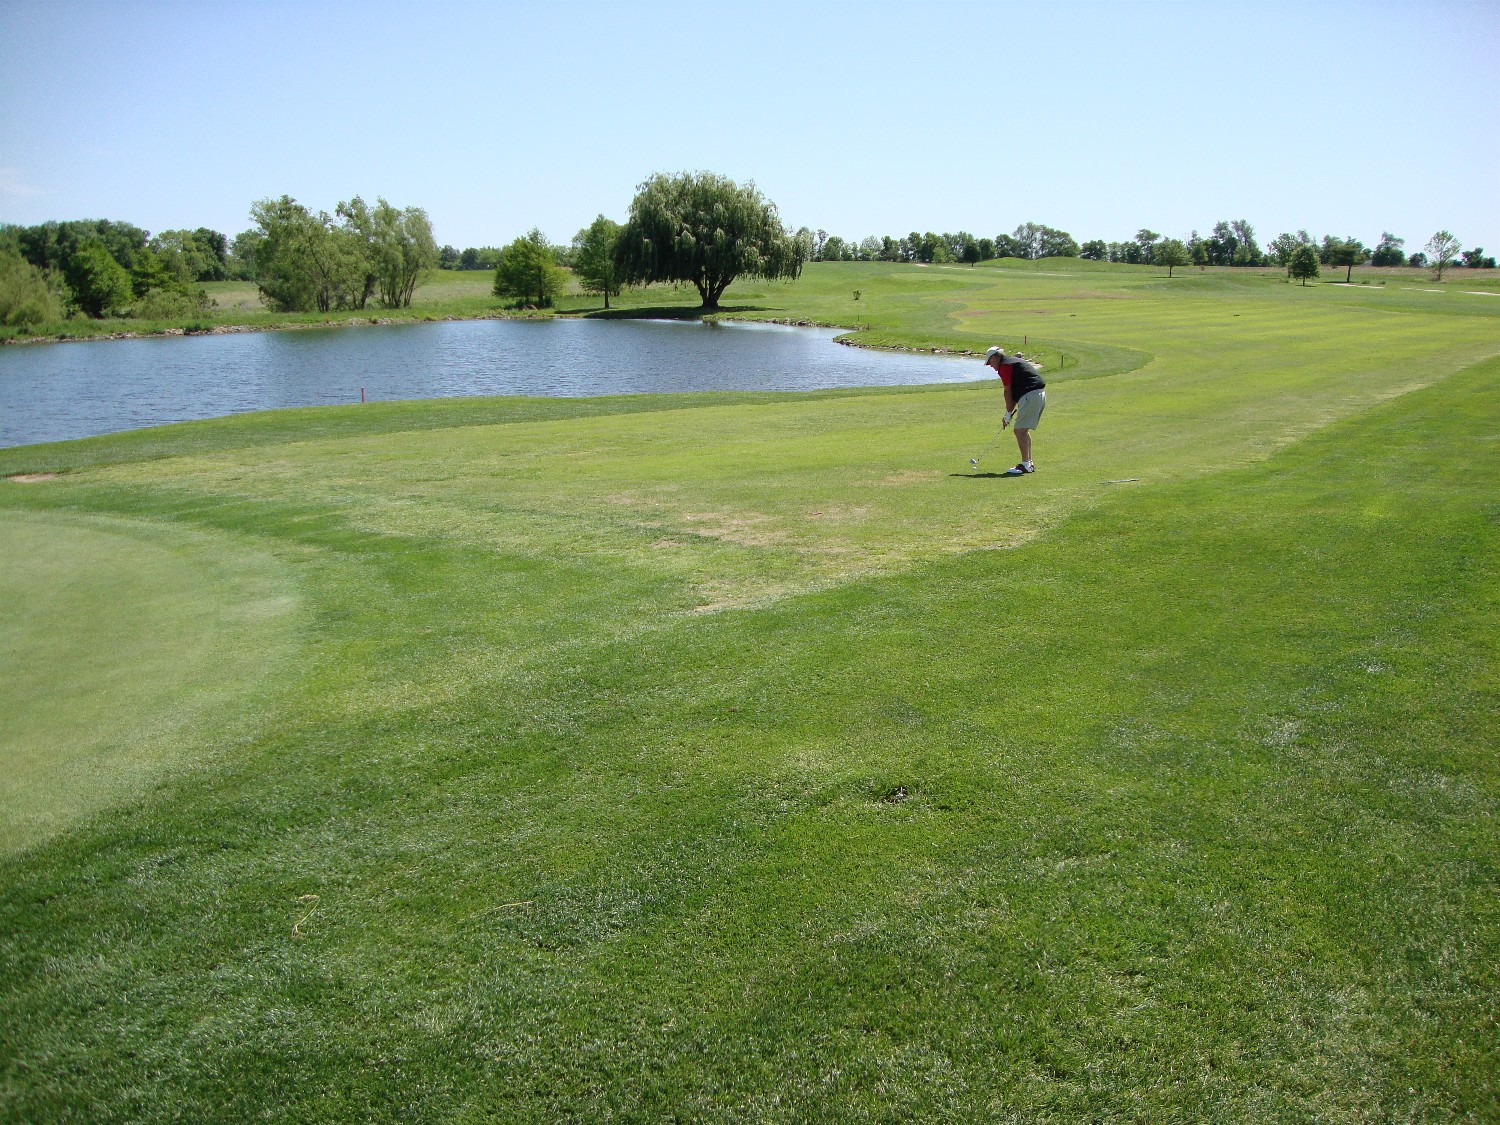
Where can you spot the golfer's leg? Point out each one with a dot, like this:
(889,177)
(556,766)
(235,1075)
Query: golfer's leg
(1023,439)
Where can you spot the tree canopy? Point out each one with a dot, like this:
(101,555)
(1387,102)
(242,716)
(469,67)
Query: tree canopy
(1171,252)
(1389,252)
(1304,263)
(305,261)
(528,271)
(100,284)
(594,258)
(1347,252)
(707,230)
(1441,249)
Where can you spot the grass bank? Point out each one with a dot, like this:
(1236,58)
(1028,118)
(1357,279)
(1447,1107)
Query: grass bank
(742,757)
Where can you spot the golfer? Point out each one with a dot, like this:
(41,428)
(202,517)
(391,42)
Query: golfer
(1025,399)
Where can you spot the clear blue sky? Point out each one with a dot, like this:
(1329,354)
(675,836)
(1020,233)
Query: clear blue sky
(860,118)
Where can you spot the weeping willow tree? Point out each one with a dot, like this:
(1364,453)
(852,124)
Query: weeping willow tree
(707,230)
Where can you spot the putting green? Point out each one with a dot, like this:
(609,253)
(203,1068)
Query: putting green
(128,649)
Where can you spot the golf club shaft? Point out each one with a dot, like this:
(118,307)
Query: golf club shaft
(985,451)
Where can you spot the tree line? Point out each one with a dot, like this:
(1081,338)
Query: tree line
(1229,243)
(301,261)
(696,228)
(98,267)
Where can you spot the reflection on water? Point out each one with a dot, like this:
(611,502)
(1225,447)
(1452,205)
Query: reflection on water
(57,391)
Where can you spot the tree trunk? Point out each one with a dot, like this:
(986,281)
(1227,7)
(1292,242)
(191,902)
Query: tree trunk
(712,292)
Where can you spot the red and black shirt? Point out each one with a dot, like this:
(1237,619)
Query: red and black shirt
(1020,377)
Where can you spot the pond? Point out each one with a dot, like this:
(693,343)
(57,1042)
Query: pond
(53,392)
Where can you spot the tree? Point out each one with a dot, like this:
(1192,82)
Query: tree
(1222,245)
(529,272)
(194,255)
(241,261)
(1441,249)
(1171,252)
(1028,239)
(1058,244)
(402,246)
(1233,244)
(1347,252)
(355,232)
(159,271)
(1417,260)
(100,284)
(594,258)
(804,240)
(1284,245)
(1094,250)
(1389,252)
(1305,263)
(707,230)
(28,297)
(302,262)
(1146,240)
(1247,253)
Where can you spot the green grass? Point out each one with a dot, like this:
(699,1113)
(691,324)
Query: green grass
(120,637)
(458,294)
(744,757)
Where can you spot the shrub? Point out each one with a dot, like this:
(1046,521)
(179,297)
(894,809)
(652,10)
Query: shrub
(171,304)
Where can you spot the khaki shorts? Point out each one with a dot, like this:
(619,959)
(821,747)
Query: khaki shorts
(1029,410)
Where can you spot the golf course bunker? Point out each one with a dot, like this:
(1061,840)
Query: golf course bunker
(129,649)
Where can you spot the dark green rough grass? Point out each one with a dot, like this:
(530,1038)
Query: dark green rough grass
(1184,811)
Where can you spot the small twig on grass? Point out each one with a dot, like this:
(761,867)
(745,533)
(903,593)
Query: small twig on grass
(502,906)
(297,925)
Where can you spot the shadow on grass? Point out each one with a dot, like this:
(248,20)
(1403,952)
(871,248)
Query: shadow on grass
(986,476)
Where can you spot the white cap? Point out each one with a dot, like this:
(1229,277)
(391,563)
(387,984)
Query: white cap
(993,352)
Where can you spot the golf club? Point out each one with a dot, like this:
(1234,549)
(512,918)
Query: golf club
(974,461)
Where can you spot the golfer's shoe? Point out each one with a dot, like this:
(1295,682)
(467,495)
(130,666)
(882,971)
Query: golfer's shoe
(1020,470)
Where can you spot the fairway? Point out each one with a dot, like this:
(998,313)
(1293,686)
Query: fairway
(748,757)
(118,637)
